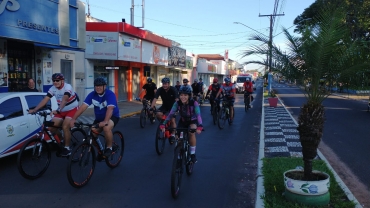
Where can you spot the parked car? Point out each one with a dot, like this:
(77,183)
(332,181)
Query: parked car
(15,122)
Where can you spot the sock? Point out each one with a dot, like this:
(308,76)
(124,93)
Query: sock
(67,147)
(192,150)
(109,148)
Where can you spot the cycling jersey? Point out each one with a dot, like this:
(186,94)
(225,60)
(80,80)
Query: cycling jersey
(101,102)
(59,93)
(188,112)
(150,88)
(229,90)
(195,87)
(248,86)
(213,88)
(168,97)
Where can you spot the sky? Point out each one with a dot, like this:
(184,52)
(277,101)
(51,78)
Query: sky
(206,26)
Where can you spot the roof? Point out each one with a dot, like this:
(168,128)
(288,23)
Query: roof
(211,56)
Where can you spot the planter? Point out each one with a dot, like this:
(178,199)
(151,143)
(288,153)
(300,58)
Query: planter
(273,101)
(314,193)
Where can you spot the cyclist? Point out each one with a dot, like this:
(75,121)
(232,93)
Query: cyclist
(229,94)
(248,90)
(200,84)
(196,90)
(189,117)
(67,101)
(150,88)
(169,95)
(178,85)
(105,109)
(213,89)
(185,82)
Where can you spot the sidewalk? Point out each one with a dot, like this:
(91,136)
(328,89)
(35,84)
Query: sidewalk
(279,137)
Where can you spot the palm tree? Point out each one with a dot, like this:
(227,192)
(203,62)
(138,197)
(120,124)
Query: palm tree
(323,51)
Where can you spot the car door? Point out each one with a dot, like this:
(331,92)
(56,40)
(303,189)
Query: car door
(14,125)
(34,121)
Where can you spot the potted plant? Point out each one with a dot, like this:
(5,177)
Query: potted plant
(324,50)
(273,100)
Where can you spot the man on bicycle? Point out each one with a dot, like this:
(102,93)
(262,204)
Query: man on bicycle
(150,88)
(229,94)
(105,109)
(196,90)
(213,88)
(177,85)
(200,85)
(189,117)
(248,90)
(169,95)
(185,83)
(67,101)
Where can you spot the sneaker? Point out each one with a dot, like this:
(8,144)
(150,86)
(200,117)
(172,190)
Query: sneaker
(65,152)
(107,153)
(193,158)
(171,139)
(100,157)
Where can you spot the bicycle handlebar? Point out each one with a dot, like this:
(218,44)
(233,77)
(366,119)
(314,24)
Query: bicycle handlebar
(184,129)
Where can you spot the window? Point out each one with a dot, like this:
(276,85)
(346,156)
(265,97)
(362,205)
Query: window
(34,100)
(11,108)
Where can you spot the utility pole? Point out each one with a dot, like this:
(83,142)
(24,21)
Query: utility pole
(270,46)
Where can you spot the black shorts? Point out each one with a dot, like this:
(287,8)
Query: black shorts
(113,118)
(186,124)
(230,101)
(150,98)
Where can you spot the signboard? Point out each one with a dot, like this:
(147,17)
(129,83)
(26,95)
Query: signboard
(129,48)
(176,56)
(111,67)
(154,54)
(101,45)
(206,67)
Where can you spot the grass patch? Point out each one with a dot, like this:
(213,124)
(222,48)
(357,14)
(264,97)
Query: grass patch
(265,94)
(273,169)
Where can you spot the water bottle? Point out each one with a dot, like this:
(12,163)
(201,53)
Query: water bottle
(99,143)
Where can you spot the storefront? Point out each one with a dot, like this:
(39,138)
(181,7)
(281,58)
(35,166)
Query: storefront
(207,71)
(36,46)
(176,63)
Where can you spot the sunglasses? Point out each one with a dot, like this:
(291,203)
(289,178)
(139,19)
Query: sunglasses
(56,80)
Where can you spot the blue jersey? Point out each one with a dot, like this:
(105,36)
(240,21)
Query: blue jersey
(101,103)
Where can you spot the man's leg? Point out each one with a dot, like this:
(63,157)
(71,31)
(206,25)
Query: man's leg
(67,131)
(193,143)
(108,134)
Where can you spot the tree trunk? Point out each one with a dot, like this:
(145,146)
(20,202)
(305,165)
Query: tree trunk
(310,127)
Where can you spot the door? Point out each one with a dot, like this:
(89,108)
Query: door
(66,70)
(135,82)
(122,85)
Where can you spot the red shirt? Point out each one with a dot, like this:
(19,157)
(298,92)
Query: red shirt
(248,86)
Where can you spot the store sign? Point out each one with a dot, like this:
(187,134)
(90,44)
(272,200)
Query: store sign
(154,54)
(11,5)
(35,26)
(101,45)
(111,67)
(176,56)
(129,48)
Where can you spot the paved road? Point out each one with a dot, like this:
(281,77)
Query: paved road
(346,142)
(225,175)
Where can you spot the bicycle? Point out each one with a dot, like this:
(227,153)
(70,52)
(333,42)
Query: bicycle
(224,114)
(34,157)
(247,101)
(215,110)
(181,158)
(160,137)
(145,114)
(200,99)
(83,157)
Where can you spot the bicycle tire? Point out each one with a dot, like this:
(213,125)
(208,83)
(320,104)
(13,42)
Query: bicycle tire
(177,171)
(143,118)
(82,156)
(189,164)
(118,148)
(38,163)
(222,118)
(151,118)
(77,136)
(214,115)
(160,141)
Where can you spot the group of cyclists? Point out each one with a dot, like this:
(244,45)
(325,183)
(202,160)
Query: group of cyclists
(178,99)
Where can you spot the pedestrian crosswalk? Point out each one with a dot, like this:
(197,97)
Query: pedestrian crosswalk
(281,134)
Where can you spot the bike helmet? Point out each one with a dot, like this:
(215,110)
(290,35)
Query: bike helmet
(100,81)
(185,80)
(149,80)
(57,76)
(247,80)
(185,90)
(227,80)
(165,80)
(215,80)
(195,80)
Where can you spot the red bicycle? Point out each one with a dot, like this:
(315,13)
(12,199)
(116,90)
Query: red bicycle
(160,137)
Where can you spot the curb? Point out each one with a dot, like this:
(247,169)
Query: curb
(130,114)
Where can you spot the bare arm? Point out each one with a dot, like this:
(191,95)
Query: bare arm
(41,104)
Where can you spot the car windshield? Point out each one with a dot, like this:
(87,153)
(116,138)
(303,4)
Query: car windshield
(242,79)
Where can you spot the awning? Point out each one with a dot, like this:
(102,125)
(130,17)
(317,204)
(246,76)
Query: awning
(58,47)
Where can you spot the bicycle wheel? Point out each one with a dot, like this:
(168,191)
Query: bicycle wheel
(33,158)
(117,150)
(160,141)
(77,135)
(222,118)
(189,163)
(176,172)
(143,118)
(214,114)
(81,165)
(151,118)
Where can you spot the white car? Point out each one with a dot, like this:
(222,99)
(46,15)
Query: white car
(16,125)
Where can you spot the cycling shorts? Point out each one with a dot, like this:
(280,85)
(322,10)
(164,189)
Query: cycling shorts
(186,124)
(231,101)
(65,114)
(113,118)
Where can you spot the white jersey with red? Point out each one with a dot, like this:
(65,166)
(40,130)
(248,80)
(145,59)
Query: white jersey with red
(59,93)
(229,90)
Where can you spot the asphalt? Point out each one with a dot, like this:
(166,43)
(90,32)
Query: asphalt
(278,136)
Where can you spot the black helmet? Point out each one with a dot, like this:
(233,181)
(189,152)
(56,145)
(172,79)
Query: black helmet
(185,90)
(57,76)
(185,80)
(100,81)
(200,79)
(166,80)
(149,80)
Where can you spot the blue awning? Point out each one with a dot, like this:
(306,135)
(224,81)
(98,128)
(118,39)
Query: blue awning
(58,47)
